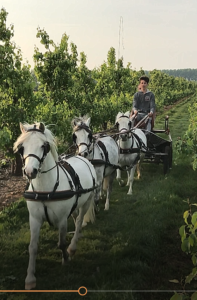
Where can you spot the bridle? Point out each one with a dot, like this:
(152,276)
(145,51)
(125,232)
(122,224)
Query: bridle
(87,129)
(46,148)
(124,128)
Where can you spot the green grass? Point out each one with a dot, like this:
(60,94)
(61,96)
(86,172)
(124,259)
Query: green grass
(133,246)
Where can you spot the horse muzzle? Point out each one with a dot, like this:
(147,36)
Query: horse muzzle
(31,174)
(83,154)
(124,137)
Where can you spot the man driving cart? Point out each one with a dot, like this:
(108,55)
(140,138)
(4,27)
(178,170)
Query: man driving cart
(144,104)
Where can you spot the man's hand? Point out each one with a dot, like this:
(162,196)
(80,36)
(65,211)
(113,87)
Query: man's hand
(150,114)
(135,112)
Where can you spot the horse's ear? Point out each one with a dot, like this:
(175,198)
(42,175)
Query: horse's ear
(88,122)
(127,113)
(22,128)
(42,127)
(118,115)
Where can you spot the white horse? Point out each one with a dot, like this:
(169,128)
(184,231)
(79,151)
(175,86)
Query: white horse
(55,190)
(131,142)
(102,152)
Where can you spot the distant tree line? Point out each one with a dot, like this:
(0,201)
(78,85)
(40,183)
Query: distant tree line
(189,74)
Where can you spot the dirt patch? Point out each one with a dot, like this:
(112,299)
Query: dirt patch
(11,187)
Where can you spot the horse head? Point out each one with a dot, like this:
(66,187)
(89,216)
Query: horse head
(33,147)
(82,135)
(123,124)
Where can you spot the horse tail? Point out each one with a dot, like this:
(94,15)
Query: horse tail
(105,183)
(90,214)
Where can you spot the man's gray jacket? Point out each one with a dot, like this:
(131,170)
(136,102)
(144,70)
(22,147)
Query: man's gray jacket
(144,103)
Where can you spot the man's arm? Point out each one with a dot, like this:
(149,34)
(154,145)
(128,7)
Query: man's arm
(152,104)
(135,106)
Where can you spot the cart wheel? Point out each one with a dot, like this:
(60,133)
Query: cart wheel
(166,160)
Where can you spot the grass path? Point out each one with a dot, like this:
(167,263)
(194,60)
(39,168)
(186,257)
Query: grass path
(133,246)
(178,118)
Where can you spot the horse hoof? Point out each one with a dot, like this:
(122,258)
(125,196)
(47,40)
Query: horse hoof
(30,286)
(106,208)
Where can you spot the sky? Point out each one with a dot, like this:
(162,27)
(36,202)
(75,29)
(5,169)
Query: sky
(149,34)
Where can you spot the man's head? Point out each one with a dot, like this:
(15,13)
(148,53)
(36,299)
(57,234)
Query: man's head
(144,80)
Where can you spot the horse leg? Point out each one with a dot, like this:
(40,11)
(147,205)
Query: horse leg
(139,164)
(109,180)
(101,193)
(30,281)
(138,170)
(131,178)
(128,178)
(62,240)
(106,187)
(118,177)
(98,192)
(82,211)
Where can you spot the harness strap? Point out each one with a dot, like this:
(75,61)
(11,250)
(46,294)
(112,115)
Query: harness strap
(96,162)
(60,195)
(93,179)
(75,178)
(141,144)
(129,150)
(35,129)
(46,214)
(102,146)
(65,166)
(105,160)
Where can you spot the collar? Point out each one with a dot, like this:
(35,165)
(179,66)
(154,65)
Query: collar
(147,91)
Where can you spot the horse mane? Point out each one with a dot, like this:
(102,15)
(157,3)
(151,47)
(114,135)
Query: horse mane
(46,136)
(120,114)
(78,121)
